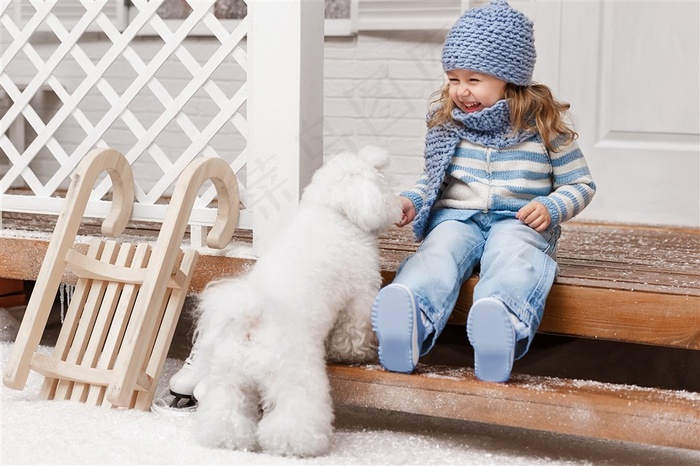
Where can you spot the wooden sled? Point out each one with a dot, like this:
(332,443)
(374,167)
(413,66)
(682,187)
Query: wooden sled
(127,301)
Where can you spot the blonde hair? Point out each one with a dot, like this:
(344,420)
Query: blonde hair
(532,108)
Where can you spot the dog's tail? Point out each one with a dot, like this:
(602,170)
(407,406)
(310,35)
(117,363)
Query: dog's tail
(224,308)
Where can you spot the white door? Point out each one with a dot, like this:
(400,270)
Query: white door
(630,71)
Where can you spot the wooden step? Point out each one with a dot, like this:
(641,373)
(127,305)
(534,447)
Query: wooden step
(636,284)
(592,409)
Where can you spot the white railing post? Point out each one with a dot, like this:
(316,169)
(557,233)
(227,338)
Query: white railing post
(285,108)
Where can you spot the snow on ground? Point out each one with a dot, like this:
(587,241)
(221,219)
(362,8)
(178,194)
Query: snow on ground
(36,431)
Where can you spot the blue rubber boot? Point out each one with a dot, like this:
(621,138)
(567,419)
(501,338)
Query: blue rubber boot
(492,335)
(399,329)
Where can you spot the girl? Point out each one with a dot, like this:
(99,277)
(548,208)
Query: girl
(502,171)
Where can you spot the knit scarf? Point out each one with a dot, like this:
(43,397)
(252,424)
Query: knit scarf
(489,127)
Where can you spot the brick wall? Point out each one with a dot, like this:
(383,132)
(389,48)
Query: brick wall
(377,90)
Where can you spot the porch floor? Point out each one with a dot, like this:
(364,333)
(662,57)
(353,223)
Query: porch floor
(590,254)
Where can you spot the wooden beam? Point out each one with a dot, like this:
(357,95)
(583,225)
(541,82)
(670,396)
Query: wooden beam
(659,318)
(12,293)
(21,258)
(610,314)
(606,411)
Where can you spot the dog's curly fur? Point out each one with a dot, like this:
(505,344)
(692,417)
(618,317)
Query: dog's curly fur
(267,334)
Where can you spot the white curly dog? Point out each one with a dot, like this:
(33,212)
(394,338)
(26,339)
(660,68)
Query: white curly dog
(267,334)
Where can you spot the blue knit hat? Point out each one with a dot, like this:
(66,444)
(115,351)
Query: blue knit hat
(495,40)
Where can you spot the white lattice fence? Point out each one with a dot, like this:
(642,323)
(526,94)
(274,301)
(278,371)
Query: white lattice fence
(161,99)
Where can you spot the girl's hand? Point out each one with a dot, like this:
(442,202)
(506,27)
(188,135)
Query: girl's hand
(409,211)
(535,215)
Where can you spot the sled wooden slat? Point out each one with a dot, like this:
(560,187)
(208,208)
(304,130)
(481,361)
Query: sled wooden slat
(84,267)
(104,320)
(127,300)
(165,336)
(606,411)
(90,376)
(78,344)
(119,321)
(70,324)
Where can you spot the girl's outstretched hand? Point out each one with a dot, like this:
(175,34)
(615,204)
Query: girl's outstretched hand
(409,211)
(535,215)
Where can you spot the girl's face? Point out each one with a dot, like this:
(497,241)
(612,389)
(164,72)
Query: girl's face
(472,91)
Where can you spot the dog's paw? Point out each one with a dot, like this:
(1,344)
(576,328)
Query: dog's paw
(238,439)
(219,424)
(289,438)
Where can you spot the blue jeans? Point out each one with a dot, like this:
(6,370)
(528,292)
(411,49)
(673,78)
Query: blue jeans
(517,266)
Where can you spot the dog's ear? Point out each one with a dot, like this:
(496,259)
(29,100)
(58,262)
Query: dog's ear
(366,206)
(375,156)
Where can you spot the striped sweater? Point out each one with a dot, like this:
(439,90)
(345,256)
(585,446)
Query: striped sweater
(481,179)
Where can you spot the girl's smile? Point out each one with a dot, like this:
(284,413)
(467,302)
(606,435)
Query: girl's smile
(472,92)
(470,107)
